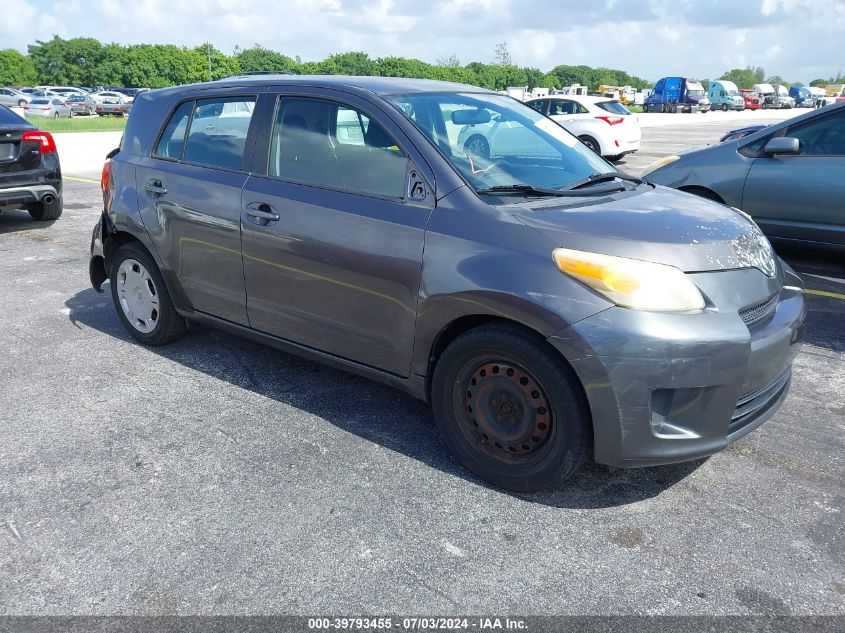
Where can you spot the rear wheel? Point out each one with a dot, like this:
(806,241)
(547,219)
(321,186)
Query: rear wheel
(591,143)
(56,114)
(44,211)
(510,408)
(141,297)
(477,145)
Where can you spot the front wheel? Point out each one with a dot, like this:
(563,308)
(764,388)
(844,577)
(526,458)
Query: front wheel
(510,408)
(21,103)
(724,107)
(141,297)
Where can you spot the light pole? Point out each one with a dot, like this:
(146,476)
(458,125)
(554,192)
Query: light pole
(208,50)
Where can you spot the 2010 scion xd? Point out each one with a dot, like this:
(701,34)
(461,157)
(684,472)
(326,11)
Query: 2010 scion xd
(544,304)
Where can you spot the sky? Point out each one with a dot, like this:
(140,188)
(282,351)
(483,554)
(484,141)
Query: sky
(799,40)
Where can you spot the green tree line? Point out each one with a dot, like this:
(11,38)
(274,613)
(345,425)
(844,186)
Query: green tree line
(87,62)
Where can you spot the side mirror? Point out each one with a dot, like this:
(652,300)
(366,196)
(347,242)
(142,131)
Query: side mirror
(783,145)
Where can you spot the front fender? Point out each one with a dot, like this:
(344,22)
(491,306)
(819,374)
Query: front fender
(486,263)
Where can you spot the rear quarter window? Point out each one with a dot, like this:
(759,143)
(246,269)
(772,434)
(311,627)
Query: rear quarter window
(615,107)
(172,139)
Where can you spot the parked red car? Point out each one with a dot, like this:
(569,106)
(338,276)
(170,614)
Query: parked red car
(752,102)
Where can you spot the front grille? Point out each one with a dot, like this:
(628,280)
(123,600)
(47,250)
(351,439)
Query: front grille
(757,313)
(751,406)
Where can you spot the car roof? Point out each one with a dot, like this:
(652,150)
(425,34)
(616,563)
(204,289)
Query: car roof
(376,85)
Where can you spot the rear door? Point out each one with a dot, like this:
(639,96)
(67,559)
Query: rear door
(803,196)
(189,193)
(334,228)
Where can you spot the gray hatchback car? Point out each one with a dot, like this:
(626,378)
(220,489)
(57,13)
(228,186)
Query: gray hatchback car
(546,305)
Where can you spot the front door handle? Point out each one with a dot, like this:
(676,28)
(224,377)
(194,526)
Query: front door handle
(261,213)
(155,187)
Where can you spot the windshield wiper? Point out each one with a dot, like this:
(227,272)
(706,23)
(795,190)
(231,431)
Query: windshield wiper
(603,177)
(519,188)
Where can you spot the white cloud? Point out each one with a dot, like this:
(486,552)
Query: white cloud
(797,39)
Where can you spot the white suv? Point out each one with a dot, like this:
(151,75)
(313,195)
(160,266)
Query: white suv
(605,125)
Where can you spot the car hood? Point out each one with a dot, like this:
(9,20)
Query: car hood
(654,224)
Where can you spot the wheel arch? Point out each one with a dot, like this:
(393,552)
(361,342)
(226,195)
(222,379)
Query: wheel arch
(454,329)
(704,192)
(450,331)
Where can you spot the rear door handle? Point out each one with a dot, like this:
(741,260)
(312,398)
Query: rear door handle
(155,187)
(261,213)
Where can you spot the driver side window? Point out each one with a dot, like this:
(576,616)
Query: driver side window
(822,136)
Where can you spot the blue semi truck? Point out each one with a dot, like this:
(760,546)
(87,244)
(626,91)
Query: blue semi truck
(677,94)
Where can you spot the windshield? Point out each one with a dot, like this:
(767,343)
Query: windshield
(495,141)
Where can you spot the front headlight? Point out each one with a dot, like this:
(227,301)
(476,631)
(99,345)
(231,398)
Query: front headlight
(666,160)
(632,283)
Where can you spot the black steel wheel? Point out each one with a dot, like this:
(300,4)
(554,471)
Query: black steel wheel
(510,408)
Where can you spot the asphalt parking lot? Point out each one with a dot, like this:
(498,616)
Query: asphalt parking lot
(215,476)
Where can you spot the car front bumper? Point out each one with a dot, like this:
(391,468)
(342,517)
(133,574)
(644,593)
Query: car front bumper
(666,388)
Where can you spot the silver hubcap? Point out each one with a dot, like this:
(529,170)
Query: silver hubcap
(138,295)
(477,147)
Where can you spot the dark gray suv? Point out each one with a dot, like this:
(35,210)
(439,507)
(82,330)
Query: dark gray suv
(545,304)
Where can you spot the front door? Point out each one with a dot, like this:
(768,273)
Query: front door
(332,241)
(802,196)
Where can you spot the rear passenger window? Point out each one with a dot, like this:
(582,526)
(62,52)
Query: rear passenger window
(322,143)
(218,131)
(173,138)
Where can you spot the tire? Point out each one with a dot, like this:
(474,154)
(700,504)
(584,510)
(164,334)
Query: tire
(21,103)
(45,211)
(591,143)
(543,435)
(477,145)
(141,298)
(724,107)
(71,114)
